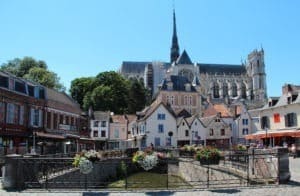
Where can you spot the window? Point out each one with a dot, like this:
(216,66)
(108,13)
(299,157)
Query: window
(217,120)
(245,121)
(211,132)
(96,123)
(183,124)
(116,133)
(49,120)
(276,118)
(265,122)
(2,112)
(31,91)
(185,100)
(186,133)
(35,119)
(55,121)
(61,119)
(160,128)
(234,89)
(67,120)
(20,87)
(172,100)
(95,134)
(243,91)
(103,123)
(10,115)
(161,116)
(216,90)
(225,89)
(3,81)
(21,115)
(291,120)
(103,133)
(222,132)
(245,131)
(157,141)
(191,100)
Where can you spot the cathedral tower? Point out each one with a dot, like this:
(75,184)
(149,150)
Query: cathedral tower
(256,70)
(175,46)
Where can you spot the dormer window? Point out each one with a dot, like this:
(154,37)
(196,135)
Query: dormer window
(187,87)
(289,100)
(20,87)
(4,81)
(170,86)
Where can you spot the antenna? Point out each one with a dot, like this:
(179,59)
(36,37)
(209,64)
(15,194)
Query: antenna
(173,4)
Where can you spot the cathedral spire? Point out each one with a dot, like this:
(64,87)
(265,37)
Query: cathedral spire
(175,46)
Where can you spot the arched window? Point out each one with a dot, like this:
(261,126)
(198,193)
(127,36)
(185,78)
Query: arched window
(243,91)
(216,90)
(185,101)
(234,89)
(172,100)
(225,89)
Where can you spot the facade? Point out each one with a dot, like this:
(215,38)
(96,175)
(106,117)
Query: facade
(99,126)
(218,132)
(179,93)
(118,131)
(35,119)
(219,82)
(156,125)
(198,131)
(279,119)
(183,132)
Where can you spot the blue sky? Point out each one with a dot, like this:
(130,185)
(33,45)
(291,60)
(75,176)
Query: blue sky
(82,38)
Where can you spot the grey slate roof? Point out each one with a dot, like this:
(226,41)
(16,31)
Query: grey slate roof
(178,83)
(133,67)
(184,59)
(221,68)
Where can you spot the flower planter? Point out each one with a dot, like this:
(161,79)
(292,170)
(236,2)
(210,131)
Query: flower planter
(209,161)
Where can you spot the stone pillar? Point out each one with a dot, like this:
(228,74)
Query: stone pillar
(12,179)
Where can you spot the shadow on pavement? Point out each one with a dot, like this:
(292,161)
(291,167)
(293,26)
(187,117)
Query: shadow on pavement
(228,191)
(94,194)
(294,183)
(160,193)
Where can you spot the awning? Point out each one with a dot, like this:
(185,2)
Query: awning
(48,135)
(72,136)
(273,133)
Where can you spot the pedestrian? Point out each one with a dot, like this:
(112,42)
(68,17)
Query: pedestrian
(152,146)
(293,150)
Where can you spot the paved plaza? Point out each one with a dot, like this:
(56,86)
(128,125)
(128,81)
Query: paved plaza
(293,188)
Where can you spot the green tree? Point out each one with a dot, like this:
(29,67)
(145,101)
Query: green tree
(137,96)
(80,87)
(34,70)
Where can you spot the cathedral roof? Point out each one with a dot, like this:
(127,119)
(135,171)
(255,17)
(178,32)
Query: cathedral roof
(184,59)
(178,83)
(133,67)
(221,68)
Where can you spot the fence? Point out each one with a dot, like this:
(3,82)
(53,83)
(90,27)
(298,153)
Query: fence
(235,169)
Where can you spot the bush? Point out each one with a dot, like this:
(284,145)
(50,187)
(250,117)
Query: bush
(208,153)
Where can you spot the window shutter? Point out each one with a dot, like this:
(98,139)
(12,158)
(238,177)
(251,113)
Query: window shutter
(31,116)
(286,120)
(295,119)
(40,118)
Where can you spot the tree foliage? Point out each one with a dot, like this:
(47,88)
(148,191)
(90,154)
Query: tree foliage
(35,70)
(109,91)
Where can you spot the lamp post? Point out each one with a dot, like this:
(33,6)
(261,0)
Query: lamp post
(33,145)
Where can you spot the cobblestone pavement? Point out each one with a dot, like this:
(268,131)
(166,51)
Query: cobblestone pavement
(291,189)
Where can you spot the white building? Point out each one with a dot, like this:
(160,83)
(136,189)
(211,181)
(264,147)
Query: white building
(99,126)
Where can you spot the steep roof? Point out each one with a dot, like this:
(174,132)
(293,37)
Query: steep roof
(214,109)
(118,119)
(133,67)
(153,107)
(131,117)
(184,59)
(221,68)
(60,97)
(178,83)
(100,115)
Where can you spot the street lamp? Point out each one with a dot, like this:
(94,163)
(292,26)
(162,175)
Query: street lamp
(33,148)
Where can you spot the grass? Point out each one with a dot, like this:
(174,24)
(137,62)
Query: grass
(150,180)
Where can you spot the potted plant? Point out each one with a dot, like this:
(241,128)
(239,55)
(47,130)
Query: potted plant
(208,155)
(147,160)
